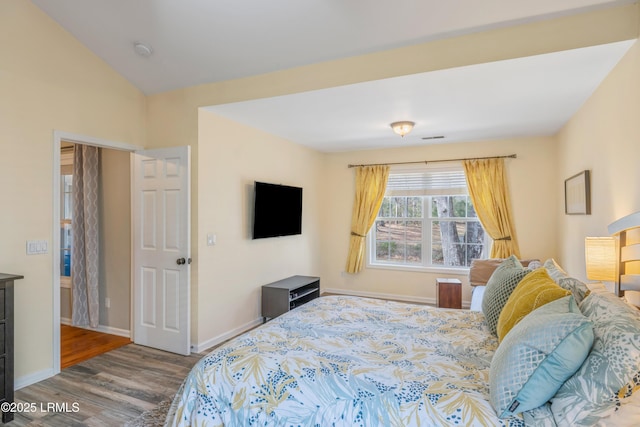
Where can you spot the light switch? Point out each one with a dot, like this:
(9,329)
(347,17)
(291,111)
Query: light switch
(211,239)
(36,247)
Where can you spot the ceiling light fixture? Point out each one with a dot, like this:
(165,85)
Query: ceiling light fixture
(402,128)
(142,49)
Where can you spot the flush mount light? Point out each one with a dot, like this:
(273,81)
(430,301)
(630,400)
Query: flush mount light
(402,128)
(142,49)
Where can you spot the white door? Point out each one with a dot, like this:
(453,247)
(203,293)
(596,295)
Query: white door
(161,252)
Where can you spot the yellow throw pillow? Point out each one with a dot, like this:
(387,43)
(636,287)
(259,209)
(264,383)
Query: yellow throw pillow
(534,290)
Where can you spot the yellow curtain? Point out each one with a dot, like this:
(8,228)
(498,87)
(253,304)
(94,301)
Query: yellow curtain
(371,184)
(489,193)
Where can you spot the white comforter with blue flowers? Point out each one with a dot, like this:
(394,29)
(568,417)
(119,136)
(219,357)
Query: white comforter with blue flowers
(347,361)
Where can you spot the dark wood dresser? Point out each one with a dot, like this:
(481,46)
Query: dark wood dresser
(6,341)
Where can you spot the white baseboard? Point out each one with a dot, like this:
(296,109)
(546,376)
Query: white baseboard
(101,328)
(405,298)
(36,377)
(203,346)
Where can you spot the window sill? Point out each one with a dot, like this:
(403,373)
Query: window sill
(463,271)
(65,282)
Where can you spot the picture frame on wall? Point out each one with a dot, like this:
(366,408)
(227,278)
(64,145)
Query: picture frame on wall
(577,194)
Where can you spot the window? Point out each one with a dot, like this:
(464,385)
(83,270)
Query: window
(427,220)
(65,226)
(66,186)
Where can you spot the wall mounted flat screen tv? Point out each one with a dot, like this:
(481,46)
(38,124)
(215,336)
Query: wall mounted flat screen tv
(277,210)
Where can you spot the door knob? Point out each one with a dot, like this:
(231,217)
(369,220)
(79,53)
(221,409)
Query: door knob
(181,261)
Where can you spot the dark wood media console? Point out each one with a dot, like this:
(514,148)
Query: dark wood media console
(286,294)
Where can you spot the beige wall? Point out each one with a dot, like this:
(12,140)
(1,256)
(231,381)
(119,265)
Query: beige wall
(531,176)
(604,137)
(65,303)
(233,156)
(115,239)
(48,81)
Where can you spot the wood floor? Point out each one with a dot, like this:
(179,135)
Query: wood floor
(108,390)
(78,345)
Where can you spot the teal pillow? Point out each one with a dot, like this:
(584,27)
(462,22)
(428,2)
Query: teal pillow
(595,390)
(502,282)
(537,356)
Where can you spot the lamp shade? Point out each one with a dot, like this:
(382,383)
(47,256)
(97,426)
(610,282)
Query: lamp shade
(601,258)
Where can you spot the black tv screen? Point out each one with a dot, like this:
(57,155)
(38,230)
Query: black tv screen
(277,210)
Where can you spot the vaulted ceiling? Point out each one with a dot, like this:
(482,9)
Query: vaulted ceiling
(195,42)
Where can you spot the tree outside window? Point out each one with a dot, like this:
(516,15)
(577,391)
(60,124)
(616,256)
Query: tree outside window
(438,230)
(457,235)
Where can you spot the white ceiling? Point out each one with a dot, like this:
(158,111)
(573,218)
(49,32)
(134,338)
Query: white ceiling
(514,98)
(203,41)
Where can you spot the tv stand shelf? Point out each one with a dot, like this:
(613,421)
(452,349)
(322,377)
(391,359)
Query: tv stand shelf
(286,294)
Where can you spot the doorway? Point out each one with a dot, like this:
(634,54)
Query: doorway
(115,301)
(113,260)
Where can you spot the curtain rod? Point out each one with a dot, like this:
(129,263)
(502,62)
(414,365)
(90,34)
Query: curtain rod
(510,156)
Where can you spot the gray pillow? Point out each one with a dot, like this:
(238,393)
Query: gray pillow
(555,271)
(577,288)
(499,287)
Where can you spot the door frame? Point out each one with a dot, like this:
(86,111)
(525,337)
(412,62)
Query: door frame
(58,137)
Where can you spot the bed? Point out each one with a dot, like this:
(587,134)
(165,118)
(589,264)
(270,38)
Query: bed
(350,361)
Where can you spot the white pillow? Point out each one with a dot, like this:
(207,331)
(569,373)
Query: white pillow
(476,298)
(597,288)
(627,414)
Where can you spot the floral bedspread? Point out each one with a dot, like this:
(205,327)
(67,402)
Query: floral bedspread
(347,361)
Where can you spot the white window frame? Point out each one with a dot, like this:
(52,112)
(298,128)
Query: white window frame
(438,190)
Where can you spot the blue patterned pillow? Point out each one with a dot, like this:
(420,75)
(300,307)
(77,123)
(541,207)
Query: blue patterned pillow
(577,288)
(555,271)
(538,355)
(539,417)
(594,391)
(502,282)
